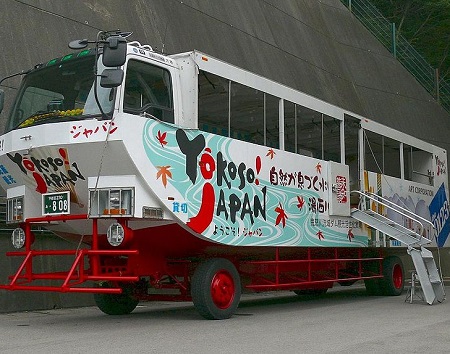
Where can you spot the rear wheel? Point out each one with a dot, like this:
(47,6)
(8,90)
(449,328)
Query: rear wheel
(216,289)
(393,282)
(373,286)
(116,304)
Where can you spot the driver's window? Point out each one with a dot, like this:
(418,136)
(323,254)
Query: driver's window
(148,89)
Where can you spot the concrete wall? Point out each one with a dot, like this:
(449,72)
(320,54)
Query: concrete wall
(27,301)
(314,46)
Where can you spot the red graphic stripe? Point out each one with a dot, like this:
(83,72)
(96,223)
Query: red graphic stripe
(201,221)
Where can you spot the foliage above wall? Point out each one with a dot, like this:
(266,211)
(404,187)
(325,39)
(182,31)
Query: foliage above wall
(425,24)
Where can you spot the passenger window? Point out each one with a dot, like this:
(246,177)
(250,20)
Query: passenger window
(213,101)
(230,109)
(148,89)
(373,150)
(331,138)
(247,114)
(382,154)
(272,134)
(391,154)
(309,132)
(290,124)
(418,165)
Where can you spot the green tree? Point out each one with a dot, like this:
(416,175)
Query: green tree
(425,24)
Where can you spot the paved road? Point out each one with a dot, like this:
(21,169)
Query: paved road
(345,320)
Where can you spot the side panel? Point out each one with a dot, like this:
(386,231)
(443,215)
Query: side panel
(439,207)
(238,193)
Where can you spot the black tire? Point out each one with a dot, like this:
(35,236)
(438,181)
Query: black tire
(373,286)
(116,304)
(216,289)
(393,282)
(311,292)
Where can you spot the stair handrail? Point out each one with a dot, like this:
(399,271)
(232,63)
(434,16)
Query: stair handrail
(398,209)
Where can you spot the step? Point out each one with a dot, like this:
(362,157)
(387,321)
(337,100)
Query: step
(428,275)
(422,274)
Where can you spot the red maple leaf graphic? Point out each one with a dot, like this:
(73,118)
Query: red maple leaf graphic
(281,216)
(271,153)
(350,235)
(163,172)
(162,138)
(301,202)
(319,168)
(320,235)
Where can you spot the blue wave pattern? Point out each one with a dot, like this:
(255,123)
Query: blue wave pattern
(298,229)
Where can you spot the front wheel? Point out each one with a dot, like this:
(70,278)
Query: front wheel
(216,289)
(116,304)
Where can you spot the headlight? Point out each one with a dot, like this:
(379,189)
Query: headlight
(18,238)
(115,234)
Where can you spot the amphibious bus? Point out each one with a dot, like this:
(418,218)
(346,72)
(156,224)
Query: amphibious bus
(183,177)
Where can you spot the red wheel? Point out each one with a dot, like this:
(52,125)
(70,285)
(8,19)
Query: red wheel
(393,281)
(216,289)
(397,276)
(223,289)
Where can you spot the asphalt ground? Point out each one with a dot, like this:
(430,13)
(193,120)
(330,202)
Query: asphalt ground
(345,320)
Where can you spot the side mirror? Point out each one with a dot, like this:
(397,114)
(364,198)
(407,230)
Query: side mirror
(2,100)
(78,44)
(111,78)
(114,51)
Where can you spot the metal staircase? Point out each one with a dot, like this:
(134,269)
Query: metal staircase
(428,273)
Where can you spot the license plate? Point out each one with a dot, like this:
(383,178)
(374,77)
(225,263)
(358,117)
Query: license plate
(56,203)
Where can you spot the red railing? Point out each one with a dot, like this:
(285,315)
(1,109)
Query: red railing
(310,271)
(77,275)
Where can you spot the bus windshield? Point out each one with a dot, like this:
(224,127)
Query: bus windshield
(61,90)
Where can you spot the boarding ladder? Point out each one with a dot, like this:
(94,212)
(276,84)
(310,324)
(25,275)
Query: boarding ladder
(428,274)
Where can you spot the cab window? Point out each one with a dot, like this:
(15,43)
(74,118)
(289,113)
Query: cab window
(148,89)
